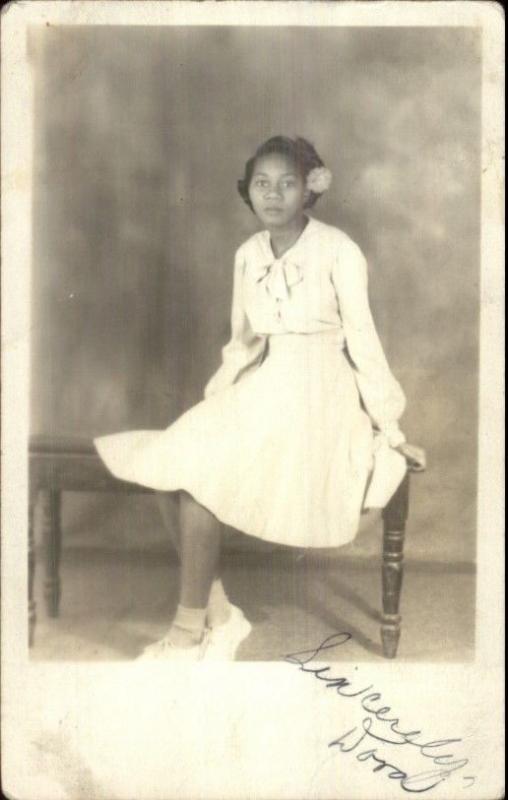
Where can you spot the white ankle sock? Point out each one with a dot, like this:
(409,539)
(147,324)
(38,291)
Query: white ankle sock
(219,607)
(190,620)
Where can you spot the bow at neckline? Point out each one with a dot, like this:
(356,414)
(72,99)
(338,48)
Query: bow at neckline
(279,276)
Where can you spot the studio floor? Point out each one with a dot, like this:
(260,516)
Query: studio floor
(114,603)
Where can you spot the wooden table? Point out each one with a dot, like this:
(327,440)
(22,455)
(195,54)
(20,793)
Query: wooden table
(59,464)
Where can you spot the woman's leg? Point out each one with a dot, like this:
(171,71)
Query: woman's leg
(200,537)
(167,502)
(202,598)
(218,610)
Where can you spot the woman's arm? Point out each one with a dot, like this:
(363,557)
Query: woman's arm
(381,393)
(245,348)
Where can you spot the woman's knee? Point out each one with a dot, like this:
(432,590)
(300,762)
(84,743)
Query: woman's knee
(191,510)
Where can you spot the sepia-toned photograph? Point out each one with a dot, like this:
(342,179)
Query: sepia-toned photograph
(252,459)
(255,315)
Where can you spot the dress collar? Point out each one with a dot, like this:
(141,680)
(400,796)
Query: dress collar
(291,254)
(279,275)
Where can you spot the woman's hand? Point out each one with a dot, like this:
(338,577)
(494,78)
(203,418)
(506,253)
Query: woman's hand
(415,456)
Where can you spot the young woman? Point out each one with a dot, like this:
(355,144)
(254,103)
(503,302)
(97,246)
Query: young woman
(298,429)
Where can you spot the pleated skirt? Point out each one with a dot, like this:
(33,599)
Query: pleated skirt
(287,454)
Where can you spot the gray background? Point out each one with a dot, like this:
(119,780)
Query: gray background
(140,135)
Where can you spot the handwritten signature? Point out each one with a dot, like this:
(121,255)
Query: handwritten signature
(379,727)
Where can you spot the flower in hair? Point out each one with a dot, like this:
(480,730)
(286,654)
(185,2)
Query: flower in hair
(319,180)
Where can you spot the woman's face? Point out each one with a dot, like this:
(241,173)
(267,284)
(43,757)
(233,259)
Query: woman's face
(277,191)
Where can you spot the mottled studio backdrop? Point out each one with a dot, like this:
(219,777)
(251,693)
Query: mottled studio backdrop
(140,135)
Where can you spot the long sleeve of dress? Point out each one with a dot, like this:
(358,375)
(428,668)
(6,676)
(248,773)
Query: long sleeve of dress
(245,348)
(381,393)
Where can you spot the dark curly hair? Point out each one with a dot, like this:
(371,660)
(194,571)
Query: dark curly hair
(301,152)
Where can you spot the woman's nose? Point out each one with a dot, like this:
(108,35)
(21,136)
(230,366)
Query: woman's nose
(273,191)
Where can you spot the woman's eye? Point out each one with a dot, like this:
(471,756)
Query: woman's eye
(262,183)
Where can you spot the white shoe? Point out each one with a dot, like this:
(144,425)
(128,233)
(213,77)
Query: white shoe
(224,640)
(165,650)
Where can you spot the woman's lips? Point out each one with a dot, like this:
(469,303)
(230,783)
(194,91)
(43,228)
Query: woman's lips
(273,210)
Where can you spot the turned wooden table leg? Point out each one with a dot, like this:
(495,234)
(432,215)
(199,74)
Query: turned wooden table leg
(394,528)
(32,613)
(52,539)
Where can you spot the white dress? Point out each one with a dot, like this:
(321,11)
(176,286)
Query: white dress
(295,434)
